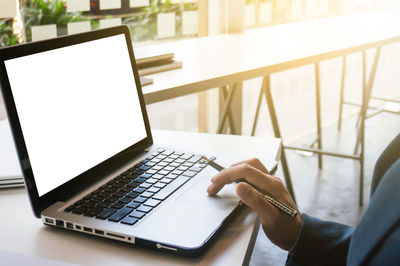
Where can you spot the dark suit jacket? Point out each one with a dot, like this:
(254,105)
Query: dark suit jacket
(374,241)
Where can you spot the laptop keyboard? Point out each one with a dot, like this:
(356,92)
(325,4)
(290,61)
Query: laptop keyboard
(136,192)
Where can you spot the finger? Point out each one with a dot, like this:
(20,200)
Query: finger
(248,173)
(256,201)
(256,163)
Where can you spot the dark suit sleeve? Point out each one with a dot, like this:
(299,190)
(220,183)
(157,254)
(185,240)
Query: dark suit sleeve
(321,243)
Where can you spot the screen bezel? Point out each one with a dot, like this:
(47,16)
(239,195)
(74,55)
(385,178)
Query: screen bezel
(84,180)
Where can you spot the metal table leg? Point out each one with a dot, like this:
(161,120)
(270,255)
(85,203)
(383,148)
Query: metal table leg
(342,93)
(270,103)
(318,105)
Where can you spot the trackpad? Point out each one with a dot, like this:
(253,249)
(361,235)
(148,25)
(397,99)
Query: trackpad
(196,195)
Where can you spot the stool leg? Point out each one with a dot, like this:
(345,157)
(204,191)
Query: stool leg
(318,104)
(277,132)
(226,109)
(362,124)
(368,92)
(342,93)
(253,130)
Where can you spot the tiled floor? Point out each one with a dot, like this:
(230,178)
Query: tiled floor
(331,193)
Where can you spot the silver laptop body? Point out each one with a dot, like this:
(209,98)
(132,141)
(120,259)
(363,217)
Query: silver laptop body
(81,130)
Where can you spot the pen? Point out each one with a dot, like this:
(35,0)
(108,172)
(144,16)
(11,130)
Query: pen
(278,204)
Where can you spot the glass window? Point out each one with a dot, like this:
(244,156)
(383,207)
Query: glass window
(148,20)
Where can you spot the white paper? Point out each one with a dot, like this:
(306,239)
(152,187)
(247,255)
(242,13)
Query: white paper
(78,5)
(265,13)
(139,3)
(110,4)
(9,165)
(250,15)
(166,25)
(44,32)
(107,23)
(78,27)
(190,22)
(8,8)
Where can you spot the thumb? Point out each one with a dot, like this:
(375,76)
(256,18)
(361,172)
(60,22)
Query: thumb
(252,198)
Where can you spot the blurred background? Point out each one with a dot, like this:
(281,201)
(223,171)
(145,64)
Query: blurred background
(331,193)
(155,21)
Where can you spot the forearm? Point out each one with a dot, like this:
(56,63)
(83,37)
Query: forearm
(321,243)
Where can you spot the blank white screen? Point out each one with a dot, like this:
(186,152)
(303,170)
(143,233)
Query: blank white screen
(77,106)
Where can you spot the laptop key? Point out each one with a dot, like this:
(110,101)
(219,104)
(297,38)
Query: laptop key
(138,190)
(151,171)
(189,173)
(180,161)
(139,179)
(194,159)
(145,185)
(157,167)
(145,209)
(140,199)
(93,211)
(171,176)
(153,190)
(160,185)
(195,169)
(168,190)
(125,200)
(186,156)
(169,168)
(137,214)
(129,220)
(133,205)
(144,167)
(118,205)
(176,172)
(79,210)
(69,208)
(163,172)
(152,202)
(116,217)
(147,194)
(106,213)
(103,204)
(132,194)
(166,180)
(157,176)
(151,181)
(145,175)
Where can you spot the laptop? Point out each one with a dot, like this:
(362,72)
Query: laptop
(85,147)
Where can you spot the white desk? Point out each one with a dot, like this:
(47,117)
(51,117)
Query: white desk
(215,61)
(227,60)
(21,233)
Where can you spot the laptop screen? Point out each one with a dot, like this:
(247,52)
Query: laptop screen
(77,105)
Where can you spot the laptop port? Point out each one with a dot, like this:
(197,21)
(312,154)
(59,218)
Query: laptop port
(78,227)
(60,223)
(70,225)
(99,232)
(87,229)
(115,235)
(48,220)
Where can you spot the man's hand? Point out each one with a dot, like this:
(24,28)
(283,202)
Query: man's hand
(282,230)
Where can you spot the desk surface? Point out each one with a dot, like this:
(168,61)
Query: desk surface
(21,233)
(215,61)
